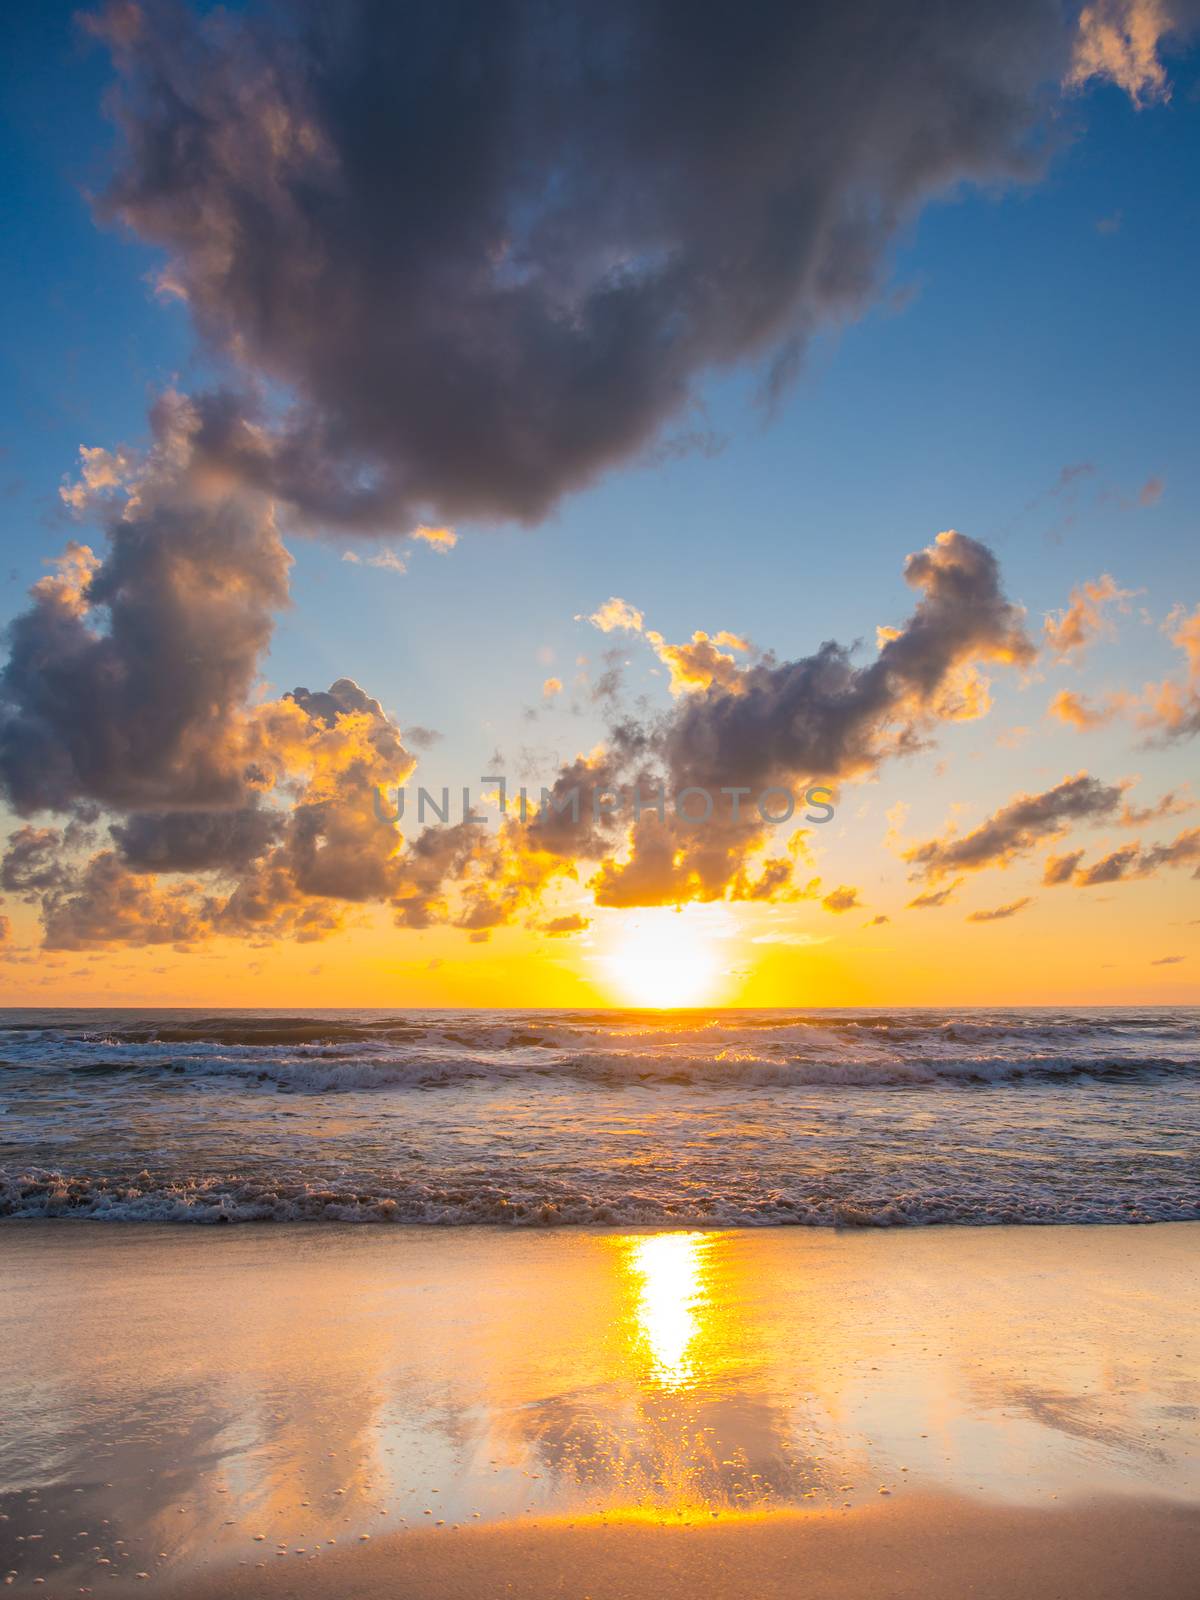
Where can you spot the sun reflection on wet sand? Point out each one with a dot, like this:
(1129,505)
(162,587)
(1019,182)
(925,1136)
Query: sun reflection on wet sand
(668,1272)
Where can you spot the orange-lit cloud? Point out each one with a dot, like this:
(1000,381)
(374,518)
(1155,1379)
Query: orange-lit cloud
(1171,709)
(1078,712)
(1069,632)
(1127,861)
(1119,40)
(1001,913)
(934,899)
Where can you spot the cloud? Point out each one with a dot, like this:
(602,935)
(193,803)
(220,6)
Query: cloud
(129,697)
(1127,861)
(615,614)
(877,922)
(1182,851)
(230,816)
(1170,710)
(386,559)
(126,680)
(490,252)
(1166,711)
(1119,40)
(1170,804)
(700,662)
(33,863)
(99,471)
(196,841)
(1061,869)
(1151,492)
(1018,827)
(441,540)
(1078,712)
(1069,632)
(1000,913)
(1167,961)
(110,905)
(704,660)
(1110,869)
(551,687)
(821,714)
(934,897)
(560,927)
(821,718)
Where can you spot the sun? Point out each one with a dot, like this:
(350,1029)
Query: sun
(663,958)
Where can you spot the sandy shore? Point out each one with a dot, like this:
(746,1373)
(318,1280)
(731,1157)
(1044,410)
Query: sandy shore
(925,1550)
(327,1409)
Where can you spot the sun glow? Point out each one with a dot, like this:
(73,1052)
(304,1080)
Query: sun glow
(664,958)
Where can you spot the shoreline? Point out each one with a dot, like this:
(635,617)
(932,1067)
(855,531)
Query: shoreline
(536,1229)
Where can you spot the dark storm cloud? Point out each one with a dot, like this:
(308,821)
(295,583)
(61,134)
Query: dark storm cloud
(491,248)
(1019,827)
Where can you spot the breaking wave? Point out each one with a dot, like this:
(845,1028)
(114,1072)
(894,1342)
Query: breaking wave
(144,1197)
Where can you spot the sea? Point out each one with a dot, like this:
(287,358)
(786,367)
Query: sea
(815,1118)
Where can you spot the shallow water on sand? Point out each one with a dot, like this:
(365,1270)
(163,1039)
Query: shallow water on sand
(183,1396)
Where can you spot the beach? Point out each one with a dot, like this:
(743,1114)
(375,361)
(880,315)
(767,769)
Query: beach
(333,1409)
(599,846)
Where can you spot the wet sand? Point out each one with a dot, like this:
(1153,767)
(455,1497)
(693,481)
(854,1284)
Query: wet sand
(925,1550)
(588,1413)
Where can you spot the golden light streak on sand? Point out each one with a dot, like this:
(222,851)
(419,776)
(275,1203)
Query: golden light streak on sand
(667,1271)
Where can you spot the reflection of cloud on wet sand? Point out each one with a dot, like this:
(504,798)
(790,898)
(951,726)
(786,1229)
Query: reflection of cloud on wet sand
(1088,1418)
(688,1456)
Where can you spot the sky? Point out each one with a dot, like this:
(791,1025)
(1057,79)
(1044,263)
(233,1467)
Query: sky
(374,362)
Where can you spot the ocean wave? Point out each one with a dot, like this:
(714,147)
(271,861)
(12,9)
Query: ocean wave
(499,1031)
(210,1200)
(327,1071)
